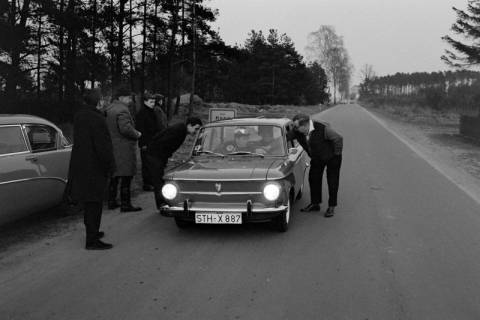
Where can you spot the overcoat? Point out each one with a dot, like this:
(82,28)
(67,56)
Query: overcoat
(149,123)
(124,138)
(92,161)
(166,142)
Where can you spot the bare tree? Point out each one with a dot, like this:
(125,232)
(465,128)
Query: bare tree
(367,72)
(327,48)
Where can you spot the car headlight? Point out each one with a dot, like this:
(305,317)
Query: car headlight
(271,191)
(169,191)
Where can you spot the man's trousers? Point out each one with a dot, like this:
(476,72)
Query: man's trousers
(157,170)
(315,179)
(92,216)
(146,171)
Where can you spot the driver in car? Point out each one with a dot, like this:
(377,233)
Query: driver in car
(241,139)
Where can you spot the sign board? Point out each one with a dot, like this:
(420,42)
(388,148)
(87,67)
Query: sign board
(215,114)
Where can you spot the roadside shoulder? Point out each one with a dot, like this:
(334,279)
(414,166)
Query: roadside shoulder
(443,148)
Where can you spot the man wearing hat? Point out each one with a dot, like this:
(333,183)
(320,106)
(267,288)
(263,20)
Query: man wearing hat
(241,139)
(124,139)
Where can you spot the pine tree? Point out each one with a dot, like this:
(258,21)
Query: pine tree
(467,25)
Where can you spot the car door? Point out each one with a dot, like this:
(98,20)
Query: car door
(52,157)
(297,155)
(18,175)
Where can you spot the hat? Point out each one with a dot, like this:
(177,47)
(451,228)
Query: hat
(241,132)
(121,91)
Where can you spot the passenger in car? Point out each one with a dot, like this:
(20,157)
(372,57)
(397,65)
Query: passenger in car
(268,144)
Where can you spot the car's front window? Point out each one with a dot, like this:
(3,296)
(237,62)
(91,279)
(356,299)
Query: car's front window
(240,139)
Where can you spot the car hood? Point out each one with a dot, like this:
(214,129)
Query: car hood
(235,168)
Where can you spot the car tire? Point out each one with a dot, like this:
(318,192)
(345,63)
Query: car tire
(182,224)
(283,221)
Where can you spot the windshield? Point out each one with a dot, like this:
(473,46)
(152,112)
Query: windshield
(240,140)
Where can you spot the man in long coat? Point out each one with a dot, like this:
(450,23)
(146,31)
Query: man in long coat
(91,164)
(124,139)
(324,146)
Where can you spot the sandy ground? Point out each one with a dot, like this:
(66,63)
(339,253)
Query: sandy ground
(439,142)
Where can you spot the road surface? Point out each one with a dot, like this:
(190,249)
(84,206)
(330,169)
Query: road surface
(405,244)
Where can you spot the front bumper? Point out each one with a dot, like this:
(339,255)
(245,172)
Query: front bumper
(249,213)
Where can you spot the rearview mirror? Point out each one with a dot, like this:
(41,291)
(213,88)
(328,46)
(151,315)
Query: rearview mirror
(292,151)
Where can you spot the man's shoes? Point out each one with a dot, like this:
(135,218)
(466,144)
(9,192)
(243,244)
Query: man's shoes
(311,207)
(112,205)
(100,234)
(129,208)
(148,187)
(98,245)
(330,212)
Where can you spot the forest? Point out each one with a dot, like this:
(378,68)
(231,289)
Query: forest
(51,51)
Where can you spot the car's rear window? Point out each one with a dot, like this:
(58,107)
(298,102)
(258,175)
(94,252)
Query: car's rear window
(41,137)
(11,140)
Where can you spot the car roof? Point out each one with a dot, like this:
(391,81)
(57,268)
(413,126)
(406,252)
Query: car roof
(6,119)
(250,121)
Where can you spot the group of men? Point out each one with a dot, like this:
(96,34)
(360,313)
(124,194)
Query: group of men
(105,150)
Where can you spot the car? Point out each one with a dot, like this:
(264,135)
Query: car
(34,161)
(240,170)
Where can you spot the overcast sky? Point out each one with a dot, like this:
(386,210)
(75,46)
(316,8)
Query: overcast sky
(392,35)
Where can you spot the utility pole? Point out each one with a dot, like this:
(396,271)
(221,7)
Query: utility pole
(194,57)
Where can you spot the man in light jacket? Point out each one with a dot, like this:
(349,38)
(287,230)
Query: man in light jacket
(124,139)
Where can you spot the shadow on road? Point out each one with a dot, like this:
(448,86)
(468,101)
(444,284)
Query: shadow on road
(37,226)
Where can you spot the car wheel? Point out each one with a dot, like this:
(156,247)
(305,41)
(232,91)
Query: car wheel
(283,221)
(182,224)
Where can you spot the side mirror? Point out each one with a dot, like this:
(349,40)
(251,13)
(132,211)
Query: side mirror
(292,151)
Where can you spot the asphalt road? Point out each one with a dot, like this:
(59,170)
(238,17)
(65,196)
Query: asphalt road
(405,244)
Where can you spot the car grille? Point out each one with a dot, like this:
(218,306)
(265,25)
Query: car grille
(220,187)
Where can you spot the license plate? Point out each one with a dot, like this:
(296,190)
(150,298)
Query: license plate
(218,218)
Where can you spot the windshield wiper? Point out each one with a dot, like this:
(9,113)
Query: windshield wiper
(211,153)
(246,153)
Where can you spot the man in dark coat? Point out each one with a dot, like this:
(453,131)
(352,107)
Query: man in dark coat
(162,146)
(324,146)
(148,123)
(91,164)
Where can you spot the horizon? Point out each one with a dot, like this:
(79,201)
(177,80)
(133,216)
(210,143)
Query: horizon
(406,48)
